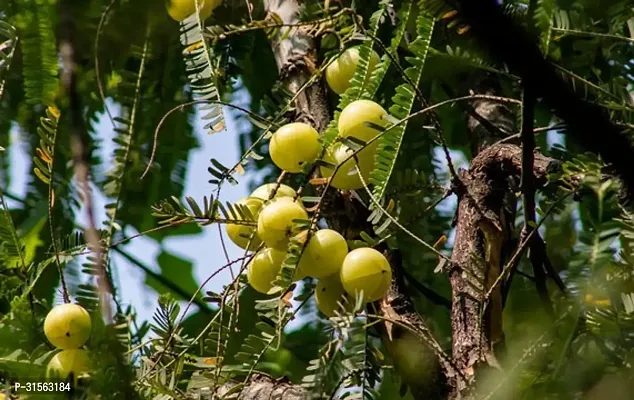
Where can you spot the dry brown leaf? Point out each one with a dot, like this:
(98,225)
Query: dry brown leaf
(319,181)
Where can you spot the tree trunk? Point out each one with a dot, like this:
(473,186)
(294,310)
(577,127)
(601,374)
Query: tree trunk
(477,256)
(485,236)
(295,55)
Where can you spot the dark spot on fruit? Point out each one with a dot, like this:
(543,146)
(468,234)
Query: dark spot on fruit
(67,334)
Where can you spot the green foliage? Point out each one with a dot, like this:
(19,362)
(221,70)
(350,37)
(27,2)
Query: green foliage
(137,74)
(7,50)
(39,53)
(201,71)
(357,89)
(391,139)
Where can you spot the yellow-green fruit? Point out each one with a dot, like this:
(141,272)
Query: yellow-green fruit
(294,145)
(264,191)
(346,177)
(366,270)
(328,292)
(413,360)
(263,269)
(323,254)
(275,223)
(67,326)
(181,9)
(340,72)
(65,362)
(384,286)
(353,118)
(241,234)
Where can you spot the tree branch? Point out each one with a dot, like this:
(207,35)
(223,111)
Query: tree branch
(420,361)
(430,294)
(295,55)
(80,145)
(477,254)
(528,192)
(510,43)
(260,387)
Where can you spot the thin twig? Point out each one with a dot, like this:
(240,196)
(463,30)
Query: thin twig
(592,34)
(80,148)
(164,281)
(522,246)
(183,314)
(425,104)
(491,127)
(180,107)
(527,181)
(50,206)
(102,94)
(528,193)
(431,294)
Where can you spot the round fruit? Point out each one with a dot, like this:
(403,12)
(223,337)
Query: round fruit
(65,362)
(384,286)
(263,269)
(353,118)
(181,9)
(67,326)
(328,292)
(264,191)
(294,145)
(366,270)
(241,234)
(412,358)
(323,254)
(275,223)
(340,72)
(347,178)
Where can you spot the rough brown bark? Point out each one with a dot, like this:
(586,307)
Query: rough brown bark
(260,387)
(295,55)
(477,255)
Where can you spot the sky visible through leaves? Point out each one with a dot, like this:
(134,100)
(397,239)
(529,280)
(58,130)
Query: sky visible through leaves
(201,254)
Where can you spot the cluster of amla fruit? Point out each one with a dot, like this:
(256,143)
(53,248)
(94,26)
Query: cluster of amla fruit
(360,272)
(296,144)
(67,327)
(353,122)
